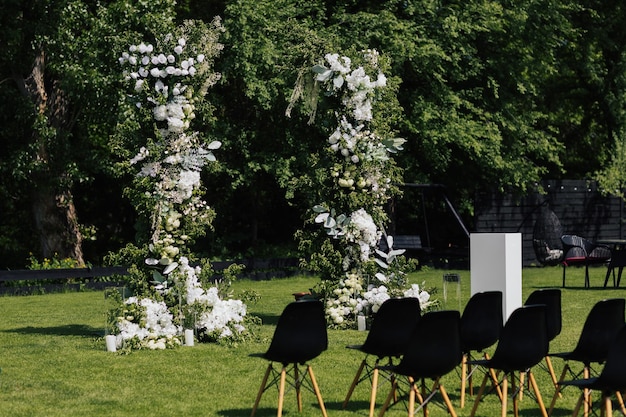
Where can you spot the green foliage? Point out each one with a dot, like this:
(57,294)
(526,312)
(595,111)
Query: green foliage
(52,263)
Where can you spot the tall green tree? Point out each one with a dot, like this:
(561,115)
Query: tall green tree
(58,67)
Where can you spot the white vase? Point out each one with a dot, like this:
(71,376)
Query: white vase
(361,323)
(188,337)
(111,341)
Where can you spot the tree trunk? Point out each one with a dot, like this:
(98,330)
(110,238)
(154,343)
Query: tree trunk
(57,224)
(52,202)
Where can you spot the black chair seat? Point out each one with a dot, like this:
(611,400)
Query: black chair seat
(523,344)
(388,337)
(433,351)
(300,336)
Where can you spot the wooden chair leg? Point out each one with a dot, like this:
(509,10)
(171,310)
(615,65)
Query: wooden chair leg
(586,393)
(463,378)
(479,395)
(281,391)
(388,399)
(620,400)
(446,399)
(557,392)
(318,394)
(579,404)
(505,394)
(412,391)
(297,383)
(373,392)
(261,390)
(533,383)
(608,406)
(354,384)
(555,382)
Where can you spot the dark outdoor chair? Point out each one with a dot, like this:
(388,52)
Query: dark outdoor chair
(547,233)
(602,324)
(612,379)
(433,351)
(388,337)
(581,251)
(481,324)
(300,336)
(551,298)
(617,261)
(523,344)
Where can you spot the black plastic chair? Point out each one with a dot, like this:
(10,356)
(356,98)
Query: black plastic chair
(481,324)
(551,298)
(388,337)
(617,261)
(523,344)
(612,379)
(300,336)
(433,351)
(580,251)
(602,324)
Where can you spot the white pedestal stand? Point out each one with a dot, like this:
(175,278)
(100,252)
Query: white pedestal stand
(496,265)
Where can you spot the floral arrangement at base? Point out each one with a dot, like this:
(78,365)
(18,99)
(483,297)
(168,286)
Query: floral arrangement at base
(168,80)
(360,177)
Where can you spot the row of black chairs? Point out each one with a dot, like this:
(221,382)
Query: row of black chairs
(430,346)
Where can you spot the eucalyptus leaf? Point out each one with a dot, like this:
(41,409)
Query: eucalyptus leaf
(381,277)
(318,208)
(381,254)
(170,268)
(216,144)
(321,218)
(381,263)
(330,223)
(157,277)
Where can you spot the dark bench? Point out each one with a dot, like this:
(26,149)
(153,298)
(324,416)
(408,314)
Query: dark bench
(51,279)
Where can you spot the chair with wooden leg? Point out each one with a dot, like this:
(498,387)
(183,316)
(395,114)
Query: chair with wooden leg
(387,339)
(523,344)
(300,336)
(551,298)
(481,324)
(433,351)
(611,381)
(602,324)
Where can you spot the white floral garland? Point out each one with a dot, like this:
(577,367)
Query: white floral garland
(174,162)
(367,155)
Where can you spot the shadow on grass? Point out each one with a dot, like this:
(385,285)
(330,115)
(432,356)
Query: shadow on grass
(66,330)
(270,319)
(290,408)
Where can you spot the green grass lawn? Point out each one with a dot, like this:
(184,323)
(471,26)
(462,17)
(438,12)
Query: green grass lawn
(54,363)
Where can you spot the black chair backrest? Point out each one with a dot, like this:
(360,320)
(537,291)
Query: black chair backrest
(574,246)
(482,320)
(524,340)
(551,297)
(392,327)
(300,334)
(603,322)
(613,374)
(435,346)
